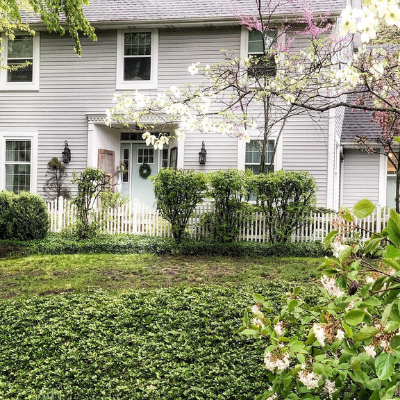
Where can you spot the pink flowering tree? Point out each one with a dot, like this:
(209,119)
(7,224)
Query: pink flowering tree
(347,345)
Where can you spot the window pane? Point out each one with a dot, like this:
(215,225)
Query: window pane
(20,47)
(18,177)
(23,74)
(137,69)
(137,44)
(262,66)
(255,42)
(18,150)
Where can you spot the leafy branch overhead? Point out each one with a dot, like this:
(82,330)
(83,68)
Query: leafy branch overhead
(59,16)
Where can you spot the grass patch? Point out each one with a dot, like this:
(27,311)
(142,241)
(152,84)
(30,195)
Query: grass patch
(169,344)
(49,274)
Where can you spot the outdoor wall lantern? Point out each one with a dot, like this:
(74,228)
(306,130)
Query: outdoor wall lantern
(202,154)
(66,154)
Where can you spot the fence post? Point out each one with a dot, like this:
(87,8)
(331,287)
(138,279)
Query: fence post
(378,218)
(60,212)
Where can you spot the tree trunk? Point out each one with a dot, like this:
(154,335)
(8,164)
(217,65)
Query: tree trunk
(398,187)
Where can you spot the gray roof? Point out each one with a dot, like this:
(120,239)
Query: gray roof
(358,122)
(153,10)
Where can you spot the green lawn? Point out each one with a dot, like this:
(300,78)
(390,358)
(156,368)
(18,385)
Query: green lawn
(42,275)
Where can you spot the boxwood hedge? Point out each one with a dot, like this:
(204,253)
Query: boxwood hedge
(124,244)
(167,344)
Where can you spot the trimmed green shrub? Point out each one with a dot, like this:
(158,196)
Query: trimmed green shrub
(166,344)
(136,244)
(178,192)
(228,189)
(6,201)
(23,216)
(286,198)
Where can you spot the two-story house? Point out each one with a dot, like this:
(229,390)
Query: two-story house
(147,46)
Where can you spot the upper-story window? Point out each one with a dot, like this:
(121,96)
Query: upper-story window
(260,65)
(21,56)
(137,58)
(253,156)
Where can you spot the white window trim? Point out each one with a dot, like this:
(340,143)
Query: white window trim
(34,85)
(242,152)
(33,137)
(129,85)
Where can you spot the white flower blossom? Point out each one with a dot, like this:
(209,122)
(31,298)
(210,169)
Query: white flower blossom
(272,362)
(350,306)
(336,247)
(257,322)
(340,334)
(194,68)
(279,328)
(309,379)
(330,387)
(255,309)
(175,91)
(319,333)
(330,286)
(370,351)
(370,279)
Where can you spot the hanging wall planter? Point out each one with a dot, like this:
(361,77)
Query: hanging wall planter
(144,171)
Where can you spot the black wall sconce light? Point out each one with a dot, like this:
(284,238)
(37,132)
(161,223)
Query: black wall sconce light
(66,154)
(203,154)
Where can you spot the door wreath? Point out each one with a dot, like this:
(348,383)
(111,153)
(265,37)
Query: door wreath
(144,171)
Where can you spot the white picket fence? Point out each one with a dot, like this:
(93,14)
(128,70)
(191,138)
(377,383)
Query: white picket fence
(137,218)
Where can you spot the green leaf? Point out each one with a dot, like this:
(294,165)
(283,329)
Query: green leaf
(384,366)
(345,254)
(371,245)
(397,139)
(392,252)
(292,305)
(246,319)
(258,298)
(346,213)
(354,317)
(363,208)
(249,332)
(386,313)
(329,238)
(348,330)
(366,333)
(393,227)
(391,263)
(296,346)
(296,291)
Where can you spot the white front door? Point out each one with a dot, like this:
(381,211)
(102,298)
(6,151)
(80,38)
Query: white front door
(133,156)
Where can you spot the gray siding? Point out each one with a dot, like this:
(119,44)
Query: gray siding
(305,148)
(71,87)
(360,177)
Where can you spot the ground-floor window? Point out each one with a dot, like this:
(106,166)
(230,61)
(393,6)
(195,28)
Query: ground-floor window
(253,155)
(18,165)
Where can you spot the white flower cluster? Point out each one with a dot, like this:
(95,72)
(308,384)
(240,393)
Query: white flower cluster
(330,387)
(279,328)
(337,246)
(309,379)
(257,322)
(320,334)
(370,351)
(329,284)
(281,363)
(367,20)
(255,309)
(370,279)
(340,334)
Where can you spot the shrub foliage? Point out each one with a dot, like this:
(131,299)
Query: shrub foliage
(23,216)
(229,189)
(178,192)
(286,198)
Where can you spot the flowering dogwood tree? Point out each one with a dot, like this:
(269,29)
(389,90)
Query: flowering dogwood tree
(238,96)
(347,345)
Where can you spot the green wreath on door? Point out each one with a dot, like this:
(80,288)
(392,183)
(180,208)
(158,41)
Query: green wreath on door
(144,171)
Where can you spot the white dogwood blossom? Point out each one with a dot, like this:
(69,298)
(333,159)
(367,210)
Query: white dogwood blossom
(273,362)
(320,334)
(370,351)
